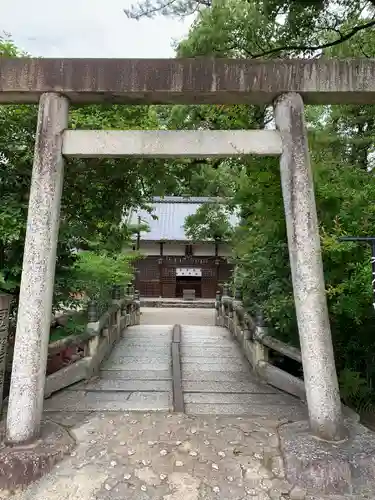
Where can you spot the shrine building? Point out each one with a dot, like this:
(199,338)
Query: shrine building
(171,262)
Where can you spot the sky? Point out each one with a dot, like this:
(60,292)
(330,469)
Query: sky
(87,28)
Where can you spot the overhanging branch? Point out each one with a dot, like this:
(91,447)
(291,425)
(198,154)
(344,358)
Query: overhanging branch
(313,48)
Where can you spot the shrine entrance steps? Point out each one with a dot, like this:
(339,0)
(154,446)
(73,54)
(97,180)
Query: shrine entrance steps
(195,369)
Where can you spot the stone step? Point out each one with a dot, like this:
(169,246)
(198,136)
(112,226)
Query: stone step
(146,350)
(156,340)
(196,336)
(219,344)
(241,399)
(116,374)
(118,385)
(150,328)
(292,413)
(231,351)
(109,401)
(227,387)
(135,366)
(147,336)
(188,373)
(196,304)
(117,358)
(146,344)
(222,366)
(225,334)
(205,330)
(231,364)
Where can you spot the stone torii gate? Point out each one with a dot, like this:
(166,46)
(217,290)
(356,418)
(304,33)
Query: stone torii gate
(54,83)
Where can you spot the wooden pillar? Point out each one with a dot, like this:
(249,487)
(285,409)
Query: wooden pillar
(161,270)
(217,263)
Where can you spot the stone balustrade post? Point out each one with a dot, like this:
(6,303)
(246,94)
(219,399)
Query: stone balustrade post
(246,331)
(137,312)
(92,312)
(116,292)
(218,309)
(38,273)
(116,299)
(260,350)
(322,391)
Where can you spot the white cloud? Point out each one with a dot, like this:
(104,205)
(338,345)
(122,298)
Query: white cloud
(87,28)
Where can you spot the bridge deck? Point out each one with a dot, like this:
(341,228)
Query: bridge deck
(227,445)
(216,378)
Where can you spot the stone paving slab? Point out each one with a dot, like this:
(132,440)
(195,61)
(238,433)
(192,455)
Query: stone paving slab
(123,385)
(153,328)
(116,374)
(227,387)
(212,342)
(145,357)
(195,334)
(135,340)
(221,362)
(239,398)
(109,401)
(292,413)
(132,456)
(136,336)
(139,344)
(186,316)
(139,336)
(197,338)
(218,365)
(199,351)
(146,350)
(189,374)
(137,365)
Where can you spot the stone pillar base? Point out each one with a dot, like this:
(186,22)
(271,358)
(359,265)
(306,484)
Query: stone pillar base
(345,467)
(20,465)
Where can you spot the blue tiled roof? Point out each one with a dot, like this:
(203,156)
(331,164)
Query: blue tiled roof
(171,213)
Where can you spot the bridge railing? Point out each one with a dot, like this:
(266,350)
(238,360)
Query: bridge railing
(96,342)
(256,342)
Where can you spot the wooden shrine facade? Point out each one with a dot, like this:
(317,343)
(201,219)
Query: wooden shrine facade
(158,276)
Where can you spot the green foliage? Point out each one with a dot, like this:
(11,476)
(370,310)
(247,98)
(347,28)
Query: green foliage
(94,275)
(342,145)
(75,325)
(93,269)
(97,192)
(7,46)
(211,221)
(264,28)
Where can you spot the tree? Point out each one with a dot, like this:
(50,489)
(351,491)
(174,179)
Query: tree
(97,192)
(7,47)
(278,27)
(211,221)
(342,143)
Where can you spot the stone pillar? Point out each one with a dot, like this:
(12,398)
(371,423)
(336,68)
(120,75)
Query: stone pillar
(38,273)
(320,376)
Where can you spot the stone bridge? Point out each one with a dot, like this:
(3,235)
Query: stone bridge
(210,372)
(177,411)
